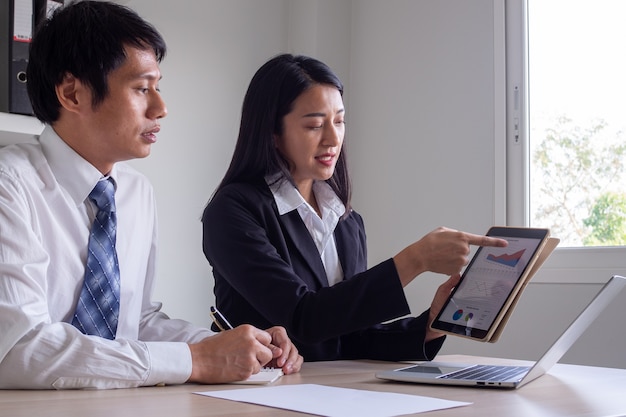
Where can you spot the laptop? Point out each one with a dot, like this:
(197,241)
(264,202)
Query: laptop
(509,376)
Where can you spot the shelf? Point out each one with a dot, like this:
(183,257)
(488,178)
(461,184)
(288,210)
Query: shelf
(16,128)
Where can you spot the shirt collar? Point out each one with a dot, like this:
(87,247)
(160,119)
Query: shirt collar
(74,173)
(288,198)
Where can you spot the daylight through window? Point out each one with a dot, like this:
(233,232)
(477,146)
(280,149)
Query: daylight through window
(577,119)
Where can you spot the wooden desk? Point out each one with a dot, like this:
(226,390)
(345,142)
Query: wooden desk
(567,390)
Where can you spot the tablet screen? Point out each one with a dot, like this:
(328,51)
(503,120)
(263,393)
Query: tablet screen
(488,282)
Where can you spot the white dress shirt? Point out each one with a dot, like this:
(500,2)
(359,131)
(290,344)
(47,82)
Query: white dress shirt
(45,219)
(288,198)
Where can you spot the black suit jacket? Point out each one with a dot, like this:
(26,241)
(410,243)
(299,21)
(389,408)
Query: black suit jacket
(268,272)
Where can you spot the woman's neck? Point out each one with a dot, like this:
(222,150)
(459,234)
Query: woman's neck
(305,188)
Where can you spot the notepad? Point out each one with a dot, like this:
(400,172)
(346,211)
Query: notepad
(265,376)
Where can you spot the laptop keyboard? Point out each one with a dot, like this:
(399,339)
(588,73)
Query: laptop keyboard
(488,373)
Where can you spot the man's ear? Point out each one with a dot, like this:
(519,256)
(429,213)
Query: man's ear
(71,93)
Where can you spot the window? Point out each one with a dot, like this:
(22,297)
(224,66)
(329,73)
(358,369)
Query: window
(577,119)
(566,130)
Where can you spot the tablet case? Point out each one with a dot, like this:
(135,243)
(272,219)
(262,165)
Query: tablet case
(547,250)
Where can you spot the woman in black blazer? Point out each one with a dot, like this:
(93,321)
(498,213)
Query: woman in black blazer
(287,248)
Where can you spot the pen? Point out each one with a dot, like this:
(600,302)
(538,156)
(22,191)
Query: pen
(219,320)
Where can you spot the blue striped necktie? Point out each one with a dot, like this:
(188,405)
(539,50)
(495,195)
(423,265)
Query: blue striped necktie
(98,307)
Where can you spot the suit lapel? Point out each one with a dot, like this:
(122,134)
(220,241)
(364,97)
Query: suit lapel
(304,245)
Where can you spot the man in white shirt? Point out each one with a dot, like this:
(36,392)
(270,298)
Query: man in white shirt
(93,80)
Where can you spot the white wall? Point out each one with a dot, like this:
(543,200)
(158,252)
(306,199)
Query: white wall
(425,138)
(421,129)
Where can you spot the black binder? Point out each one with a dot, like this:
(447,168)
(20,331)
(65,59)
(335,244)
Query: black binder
(5,53)
(16,22)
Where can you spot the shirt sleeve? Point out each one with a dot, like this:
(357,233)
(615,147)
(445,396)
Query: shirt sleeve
(58,356)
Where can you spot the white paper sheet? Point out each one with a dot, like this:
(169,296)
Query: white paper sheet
(335,402)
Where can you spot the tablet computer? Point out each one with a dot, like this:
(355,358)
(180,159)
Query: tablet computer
(481,303)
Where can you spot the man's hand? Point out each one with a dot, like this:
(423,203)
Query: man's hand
(235,355)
